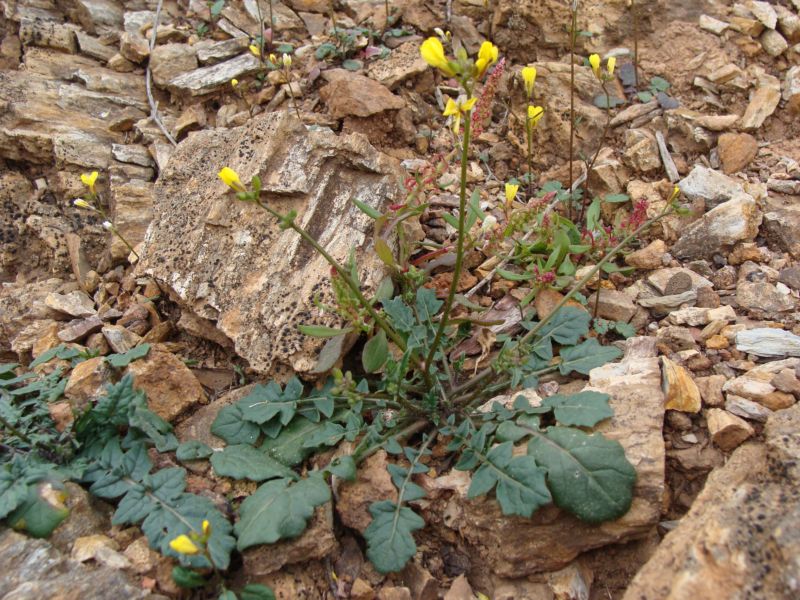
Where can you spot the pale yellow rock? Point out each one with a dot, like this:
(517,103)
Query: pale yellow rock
(679,388)
(727,431)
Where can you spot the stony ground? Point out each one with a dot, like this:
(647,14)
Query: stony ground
(705,398)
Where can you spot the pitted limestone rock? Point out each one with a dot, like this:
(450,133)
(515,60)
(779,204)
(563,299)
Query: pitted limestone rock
(229,262)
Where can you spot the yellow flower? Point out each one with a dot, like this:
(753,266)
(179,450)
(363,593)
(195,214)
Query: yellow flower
(534,115)
(234,82)
(432,52)
(529,77)
(457,108)
(88,179)
(511,193)
(80,203)
(612,62)
(206,528)
(594,61)
(487,56)
(231,179)
(255,50)
(273,59)
(183,545)
(676,191)
(287,61)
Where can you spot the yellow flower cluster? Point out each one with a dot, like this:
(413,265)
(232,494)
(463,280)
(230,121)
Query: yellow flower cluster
(457,108)
(192,543)
(611,63)
(432,51)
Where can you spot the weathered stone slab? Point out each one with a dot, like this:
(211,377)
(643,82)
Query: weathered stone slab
(230,263)
(552,538)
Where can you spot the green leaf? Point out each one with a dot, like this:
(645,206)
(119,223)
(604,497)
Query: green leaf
(289,446)
(231,426)
(450,220)
(268,401)
(511,276)
(366,208)
(331,352)
(659,84)
(351,64)
(256,591)
(245,462)
(13,490)
(343,467)
(120,361)
(375,353)
(217,7)
(279,509)
(588,474)
(390,543)
(61,352)
(521,487)
(566,327)
(187,578)
(41,511)
(428,304)
(584,409)
(400,315)
(616,198)
(227,595)
(321,331)
(626,330)
(384,252)
(644,97)
(192,450)
(586,356)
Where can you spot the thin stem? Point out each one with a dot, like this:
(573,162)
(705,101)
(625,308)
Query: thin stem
(600,144)
(529,131)
(635,44)
(16,432)
(291,93)
(462,211)
(415,427)
(572,36)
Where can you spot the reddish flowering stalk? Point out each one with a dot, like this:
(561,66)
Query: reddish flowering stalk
(639,214)
(483,109)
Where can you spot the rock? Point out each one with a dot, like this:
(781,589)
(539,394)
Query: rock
(692,316)
(351,94)
(680,390)
(790,276)
(791,89)
(35,569)
(207,79)
(270,281)
(76,304)
(676,338)
(716,123)
(134,47)
(768,342)
(612,305)
(764,12)
(740,537)
(133,211)
(87,382)
(421,584)
(93,47)
(169,61)
(773,43)
(211,53)
(79,329)
(87,516)
(747,409)
(459,590)
(711,389)
(676,280)
(780,228)
(786,381)
(711,24)
(402,64)
(47,34)
(141,557)
(99,16)
(362,590)
(762,104)
(762,296)
(316,542)
(120,339)
(373,483)
(727,431)
(543,543)
(747,26)
(642,152)
(100,548)
(170,386)
(709,185)
(649,257)
(394,593)
(736,151)
(198,425)
(662,305)
(736,220)
(788,24)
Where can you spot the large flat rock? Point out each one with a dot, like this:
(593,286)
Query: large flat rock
(741,539)
(517,547)
(229,263)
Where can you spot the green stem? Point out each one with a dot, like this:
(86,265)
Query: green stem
(572,36)
(415,427)
(462,213)
(16,432)
(591,163)
(291,93)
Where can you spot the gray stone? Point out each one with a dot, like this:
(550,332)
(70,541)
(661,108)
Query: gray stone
(612,305)
(711,24)
(132,153)
(78,330)
(230,263)
(36,569)
(709,185)
(91,46)
(211,53)
(170,61)
(764,12)
(781,224)
(663,280)
(76,304)
(747,409)
(207,79)
(741,537)
(774,43)
(733,221)
(763,296)
(768,342)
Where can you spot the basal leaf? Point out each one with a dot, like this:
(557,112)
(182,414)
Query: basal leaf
(120,361)
(399,314)
(279,509)
(231,426)
(427,304)
(343,467)
(322,331)
(390,543)
(268,401)
(566,327)
(192,450)
(586,356)
(13,491)
(256,591)
(242,461)
(41,511)
(584,409)
(187,578)
(588,474)
(289,447)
